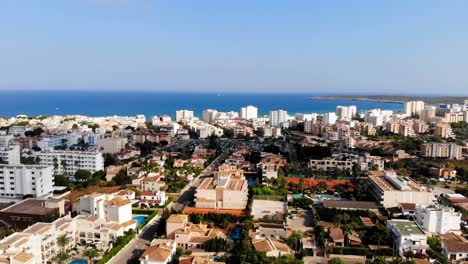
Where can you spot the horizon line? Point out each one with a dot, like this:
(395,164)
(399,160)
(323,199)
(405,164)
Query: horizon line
(312,93)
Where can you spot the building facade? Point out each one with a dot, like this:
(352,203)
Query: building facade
(68,162)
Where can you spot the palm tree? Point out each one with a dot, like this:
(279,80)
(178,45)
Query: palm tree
(91,254)
(62,256)
(63,241)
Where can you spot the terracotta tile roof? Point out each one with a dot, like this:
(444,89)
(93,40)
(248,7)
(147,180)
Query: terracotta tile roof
(408,206)
(177,218)
(157,253)
(129,223)
(118,201)
(336,234)
(455,243)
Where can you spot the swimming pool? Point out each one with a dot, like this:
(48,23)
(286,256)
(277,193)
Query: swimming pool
(140,218)
(320,198)
(235,233)
(78,261)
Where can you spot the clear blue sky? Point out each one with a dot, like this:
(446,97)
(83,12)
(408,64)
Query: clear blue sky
(263,46)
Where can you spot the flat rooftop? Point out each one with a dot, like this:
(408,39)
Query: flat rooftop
(29,206)
(406,228)
(396,183)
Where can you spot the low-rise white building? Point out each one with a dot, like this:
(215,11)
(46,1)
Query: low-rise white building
(68,162)
(38,243)
(454,247)
(438,219)
(16,181)
(407,236)
(151,198)
(160,251)
(108,207)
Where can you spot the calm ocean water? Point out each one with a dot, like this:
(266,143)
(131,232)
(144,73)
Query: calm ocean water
(90,103)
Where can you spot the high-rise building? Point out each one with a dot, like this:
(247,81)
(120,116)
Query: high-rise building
(210,115)
(413,107)
(249,112)
(346,112)
(428,113)
(329,118)
(184,115)
(19,180)
(278,117)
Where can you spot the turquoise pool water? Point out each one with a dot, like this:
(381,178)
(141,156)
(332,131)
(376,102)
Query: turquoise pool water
(78,261)
(139,218)
(235,233)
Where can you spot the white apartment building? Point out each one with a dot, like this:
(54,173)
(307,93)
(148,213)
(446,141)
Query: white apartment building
(52,141)
(9,150)
(274,132)
(38,243)
(377,117)
(222,193)
(438,219)
(306,117)
(329,118)
(210,115)
(184,115)
(346,112)
(278,117)
(19,180)
(18,130)
(407,236)
(68,162)
(111,145)
(413,107)
(249,112)
(391,189)
(92,138)
(108,207)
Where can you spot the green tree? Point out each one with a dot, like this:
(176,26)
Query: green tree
(61,256)
(122,178)
(91,254)
(83,175)
(63,241)
(294,240)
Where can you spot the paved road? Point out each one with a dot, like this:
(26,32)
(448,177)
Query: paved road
(138,245)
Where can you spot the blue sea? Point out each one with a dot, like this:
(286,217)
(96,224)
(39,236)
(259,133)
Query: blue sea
(103,103)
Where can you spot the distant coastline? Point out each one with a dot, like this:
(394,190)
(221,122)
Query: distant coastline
(394,98)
